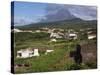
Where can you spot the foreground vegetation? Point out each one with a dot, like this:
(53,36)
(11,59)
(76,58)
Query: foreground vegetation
(59,60)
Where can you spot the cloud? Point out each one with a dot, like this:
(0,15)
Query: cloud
(23,20)
(84,12)
(56,13)
(61,12)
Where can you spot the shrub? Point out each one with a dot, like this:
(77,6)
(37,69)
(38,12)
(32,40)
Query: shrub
(91,64)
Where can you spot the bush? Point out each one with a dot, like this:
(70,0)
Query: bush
(91,64)
(74,67)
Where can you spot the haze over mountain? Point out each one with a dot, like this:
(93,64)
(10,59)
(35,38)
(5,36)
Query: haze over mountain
(68,12)
(29,13)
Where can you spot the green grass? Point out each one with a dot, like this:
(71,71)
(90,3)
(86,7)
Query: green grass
(58,60)
(45,62)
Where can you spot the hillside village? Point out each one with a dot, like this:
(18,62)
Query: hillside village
(50,43)
(61,33)
(54,35)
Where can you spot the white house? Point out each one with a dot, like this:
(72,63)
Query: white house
(55,35)
(53,40)
(92,36)
(25,53)
(48,51)
(72,36)
(37,31)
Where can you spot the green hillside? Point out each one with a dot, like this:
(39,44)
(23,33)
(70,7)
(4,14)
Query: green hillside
(74,24)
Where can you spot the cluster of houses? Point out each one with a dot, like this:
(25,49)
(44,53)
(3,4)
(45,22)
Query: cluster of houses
(70,34)
(54,35)
(57,33)
(29,52)
(90,32)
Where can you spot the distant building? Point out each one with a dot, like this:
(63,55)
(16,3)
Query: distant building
(53,40)
(45,28)
(38,31)
(55,35)
(25,53)
(91,36)
(72,36)
(89,32)
(48,51)
(49,31)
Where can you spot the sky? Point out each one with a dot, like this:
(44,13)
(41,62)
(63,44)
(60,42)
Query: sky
(30,12)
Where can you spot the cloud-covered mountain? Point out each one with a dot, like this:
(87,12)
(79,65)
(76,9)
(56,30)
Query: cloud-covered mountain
(57,13)
(83,12)
(67,12)
(53,12)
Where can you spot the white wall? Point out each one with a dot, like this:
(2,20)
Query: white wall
(25,54)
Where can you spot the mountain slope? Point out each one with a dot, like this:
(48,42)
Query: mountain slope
(73,23)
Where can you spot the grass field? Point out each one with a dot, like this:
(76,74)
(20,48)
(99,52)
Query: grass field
(58,60)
